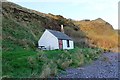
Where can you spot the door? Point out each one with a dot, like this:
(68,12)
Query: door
(68,43)
(60,44)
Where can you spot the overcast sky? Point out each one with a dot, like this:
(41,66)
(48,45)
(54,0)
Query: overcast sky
(76,9)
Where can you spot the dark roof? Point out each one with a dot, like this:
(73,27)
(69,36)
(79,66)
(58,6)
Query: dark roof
(59,35)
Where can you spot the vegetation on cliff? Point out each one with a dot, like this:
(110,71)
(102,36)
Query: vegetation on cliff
(22,28)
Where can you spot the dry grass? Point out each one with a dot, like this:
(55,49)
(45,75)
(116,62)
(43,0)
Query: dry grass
(32,61)
(66,64)
(100,33)
(45,71)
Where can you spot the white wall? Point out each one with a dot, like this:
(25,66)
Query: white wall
(65,44)
(49,41)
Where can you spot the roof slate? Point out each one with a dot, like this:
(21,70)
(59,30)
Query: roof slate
(59,35)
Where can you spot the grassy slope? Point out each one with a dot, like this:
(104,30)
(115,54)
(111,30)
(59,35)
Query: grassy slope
(21,30)
(24,26)
(100,33)
(28,63)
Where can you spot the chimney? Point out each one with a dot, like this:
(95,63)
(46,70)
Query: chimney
(62,30)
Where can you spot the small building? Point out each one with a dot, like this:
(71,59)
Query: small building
(52,39)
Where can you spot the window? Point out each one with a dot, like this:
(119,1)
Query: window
(68,44)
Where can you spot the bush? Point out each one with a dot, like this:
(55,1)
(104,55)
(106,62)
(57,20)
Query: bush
(53,68)
(75,34)
(45,71)
(78,58)
(41,56)
(66,64)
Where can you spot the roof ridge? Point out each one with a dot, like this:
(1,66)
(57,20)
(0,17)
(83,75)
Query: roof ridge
(59,34)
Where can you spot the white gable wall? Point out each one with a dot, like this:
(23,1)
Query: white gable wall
(49,41)
(65,44)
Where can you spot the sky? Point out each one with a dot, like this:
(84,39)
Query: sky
(76,9)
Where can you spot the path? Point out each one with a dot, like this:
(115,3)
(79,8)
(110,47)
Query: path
(105,67)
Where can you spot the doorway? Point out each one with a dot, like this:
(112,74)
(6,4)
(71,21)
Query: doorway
(60,44)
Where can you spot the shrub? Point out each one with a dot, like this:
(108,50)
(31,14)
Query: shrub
(66,63)
(32,63)
(53,67)
(78,58)
(45,71)
(41,56)
(49,69)
(75,34)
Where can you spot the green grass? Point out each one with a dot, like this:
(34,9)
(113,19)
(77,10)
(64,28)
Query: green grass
(14,63)
(20,58)
(29,63)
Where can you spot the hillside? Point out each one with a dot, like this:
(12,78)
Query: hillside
(100,33)
(22,28)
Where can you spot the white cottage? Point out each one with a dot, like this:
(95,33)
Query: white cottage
(52,39)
